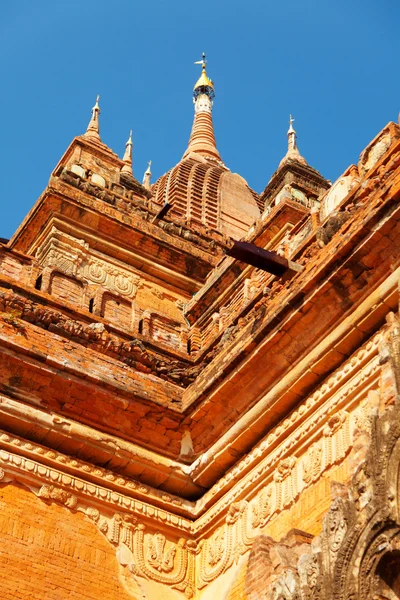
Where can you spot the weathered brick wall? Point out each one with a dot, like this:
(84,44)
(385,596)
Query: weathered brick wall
(259,568)
(10,266)
(238,589)
(117,311)
(165,331)
(67,289)
(47,551)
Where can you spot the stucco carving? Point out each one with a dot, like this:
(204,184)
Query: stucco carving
(63,253)
(50,492)
(356,556)
(393,345)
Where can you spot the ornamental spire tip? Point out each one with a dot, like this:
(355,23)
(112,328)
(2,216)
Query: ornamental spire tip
(292,151)
(147,177)
(127,167)
(204,84)
(93,129)
(202,62)
(292,145)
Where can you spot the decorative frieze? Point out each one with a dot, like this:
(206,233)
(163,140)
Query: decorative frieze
(57,481)
(64,254)
(111,277)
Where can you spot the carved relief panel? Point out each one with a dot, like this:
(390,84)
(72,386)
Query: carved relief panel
(72,272)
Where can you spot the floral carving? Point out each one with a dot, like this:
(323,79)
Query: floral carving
(286,490)
(284,469)
(216,548)
(123,285)
(312,572)
(93,514)
(96,273)
(158,556)
(262,509)
(363,417)
(337,437)
(312,464)
(336,527)
(234,512)
(50,492)
(334,423)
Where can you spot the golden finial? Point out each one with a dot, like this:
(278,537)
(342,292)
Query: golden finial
(147,176)
(93,129)
(204,81)
(127,167)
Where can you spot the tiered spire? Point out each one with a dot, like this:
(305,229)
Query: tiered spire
(93,129)
(127,166)
(292,152)
(202,138)
(147,176)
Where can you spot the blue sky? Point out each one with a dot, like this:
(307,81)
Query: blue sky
(333,64)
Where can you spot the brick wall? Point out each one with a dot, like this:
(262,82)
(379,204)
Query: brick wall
(238,589)
(49,552)
(117,311)
(259,568)
(11,267)
(165,331)
(67,289)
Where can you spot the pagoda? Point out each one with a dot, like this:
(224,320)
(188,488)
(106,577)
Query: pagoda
(199,384)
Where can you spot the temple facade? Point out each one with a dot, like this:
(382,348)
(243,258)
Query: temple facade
(200,384)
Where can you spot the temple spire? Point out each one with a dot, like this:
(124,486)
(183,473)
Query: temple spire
(147,176)
(292,151)
(202,138)
(127,167)
(93,129)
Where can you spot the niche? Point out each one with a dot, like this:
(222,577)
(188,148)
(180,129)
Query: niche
(387,576)
(38,283)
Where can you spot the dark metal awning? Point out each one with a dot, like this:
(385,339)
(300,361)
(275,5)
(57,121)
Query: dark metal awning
(266,260)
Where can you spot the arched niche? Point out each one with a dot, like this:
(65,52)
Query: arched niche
(387,577)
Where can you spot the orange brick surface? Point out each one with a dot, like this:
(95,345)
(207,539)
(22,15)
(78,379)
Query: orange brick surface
(48,552)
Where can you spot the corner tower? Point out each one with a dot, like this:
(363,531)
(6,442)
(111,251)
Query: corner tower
(200,188)
(294,179)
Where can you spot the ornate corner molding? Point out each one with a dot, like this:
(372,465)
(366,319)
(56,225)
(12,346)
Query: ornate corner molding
(155,541)
(357,374)
(393,345)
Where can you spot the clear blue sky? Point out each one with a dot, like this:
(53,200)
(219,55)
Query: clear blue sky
(333,64)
